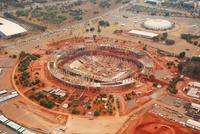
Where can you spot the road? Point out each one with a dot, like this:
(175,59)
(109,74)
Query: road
(139,112)
(48,34)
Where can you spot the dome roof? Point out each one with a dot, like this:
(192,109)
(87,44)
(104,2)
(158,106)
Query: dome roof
(157,24)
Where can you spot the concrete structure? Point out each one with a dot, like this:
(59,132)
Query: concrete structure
(193,92)
(195,106)
(10,29)
(10,96)
(193,124)
(143,34)
(157,24)
(194,84)
(72,73)
(13,125)
(3,92)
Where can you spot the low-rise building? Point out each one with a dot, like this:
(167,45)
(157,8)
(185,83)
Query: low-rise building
(143,34)
(9,29)
(193,124)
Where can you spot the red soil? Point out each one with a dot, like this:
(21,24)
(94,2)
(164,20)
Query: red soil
(152,124)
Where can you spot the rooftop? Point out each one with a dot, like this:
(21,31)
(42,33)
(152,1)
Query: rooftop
(9,28)
(143,33)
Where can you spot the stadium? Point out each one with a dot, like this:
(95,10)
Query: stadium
(100,66)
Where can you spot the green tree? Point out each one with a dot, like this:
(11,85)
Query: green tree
(180,67)
(75,111)
(182,54)
(165,35)
(97,112)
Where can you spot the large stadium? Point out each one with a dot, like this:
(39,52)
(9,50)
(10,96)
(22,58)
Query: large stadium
(78,72)
(100,66)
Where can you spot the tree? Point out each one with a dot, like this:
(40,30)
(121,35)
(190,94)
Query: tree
(169,42)
(182,55)
(173,90)
(14,56)
(180,67)
(47,103)
(129,96)
(145,47)
(75,111)
(97,112)
(195,43)
(22,54)
(89,106)
(165,35)
(99,30)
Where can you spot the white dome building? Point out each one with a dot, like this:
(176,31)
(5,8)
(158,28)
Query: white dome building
(157,24)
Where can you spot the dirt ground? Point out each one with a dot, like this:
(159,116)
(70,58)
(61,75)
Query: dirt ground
(152,124)
(40,121)
(100,125)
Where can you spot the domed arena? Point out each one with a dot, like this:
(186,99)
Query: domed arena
(157,24)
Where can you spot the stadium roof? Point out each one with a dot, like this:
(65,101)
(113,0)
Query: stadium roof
(9,28)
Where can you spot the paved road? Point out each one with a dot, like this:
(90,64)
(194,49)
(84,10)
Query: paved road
(38,38)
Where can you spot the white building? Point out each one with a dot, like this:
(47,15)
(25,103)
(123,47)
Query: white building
(195,106)
(154,1)
(193,124)
(10,29)
(143,34)
(194,84)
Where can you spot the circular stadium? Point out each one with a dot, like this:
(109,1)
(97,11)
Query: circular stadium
(101,66)
(158,24)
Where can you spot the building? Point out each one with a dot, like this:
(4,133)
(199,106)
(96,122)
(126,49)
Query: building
(193,92)
(154,1)
(15,126)
(157,24)
(195,106)
(10,29)
(193,124)
(194,84)
(143,34)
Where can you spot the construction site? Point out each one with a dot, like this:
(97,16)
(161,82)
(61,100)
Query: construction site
(85,74)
